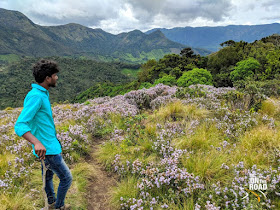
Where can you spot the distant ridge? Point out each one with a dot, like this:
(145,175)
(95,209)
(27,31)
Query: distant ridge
(19,35)
(210,38)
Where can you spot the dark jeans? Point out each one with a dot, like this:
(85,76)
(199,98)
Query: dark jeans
(55,164)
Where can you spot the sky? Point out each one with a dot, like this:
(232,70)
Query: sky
(117,16)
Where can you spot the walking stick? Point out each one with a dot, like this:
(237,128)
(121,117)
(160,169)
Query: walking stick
(44,185)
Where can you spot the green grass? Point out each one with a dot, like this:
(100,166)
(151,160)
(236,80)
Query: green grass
(130,72)
(142,58)
(106,154)
(83,173)
(204,158)
(208,155)
(204,136)
(177,111)
(9,58)
(21,200)
(31,197)
(126,189)
(5,157)
(258,147)
(271,107)
(207,165)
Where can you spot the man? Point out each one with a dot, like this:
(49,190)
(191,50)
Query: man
(36,125)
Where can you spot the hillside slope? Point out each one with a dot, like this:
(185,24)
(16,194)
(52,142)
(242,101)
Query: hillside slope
(75,76)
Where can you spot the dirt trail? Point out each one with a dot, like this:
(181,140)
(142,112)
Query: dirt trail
(99,189)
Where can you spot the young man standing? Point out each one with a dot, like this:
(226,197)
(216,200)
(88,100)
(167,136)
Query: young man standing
(36,125)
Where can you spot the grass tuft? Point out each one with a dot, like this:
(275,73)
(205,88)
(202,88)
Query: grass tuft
(178,111)
(126,189)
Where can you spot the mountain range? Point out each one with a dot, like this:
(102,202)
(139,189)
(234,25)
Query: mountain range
(20,36)
(210,38)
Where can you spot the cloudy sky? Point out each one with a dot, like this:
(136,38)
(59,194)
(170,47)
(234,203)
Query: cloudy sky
(116,16)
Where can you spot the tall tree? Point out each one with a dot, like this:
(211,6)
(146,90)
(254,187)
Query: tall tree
(187,52)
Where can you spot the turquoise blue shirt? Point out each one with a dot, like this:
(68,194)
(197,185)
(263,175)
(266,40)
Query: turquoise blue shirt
(37,118)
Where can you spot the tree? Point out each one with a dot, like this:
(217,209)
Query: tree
(195,76)
(170,60)
(245,69)
(144,74)
(187,52)
(273,64)
(176,72)
(228,43)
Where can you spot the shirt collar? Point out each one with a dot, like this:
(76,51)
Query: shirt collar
(39,87)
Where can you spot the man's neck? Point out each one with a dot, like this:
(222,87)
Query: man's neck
(44,85)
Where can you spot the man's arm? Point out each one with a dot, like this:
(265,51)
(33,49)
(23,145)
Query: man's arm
(22,128)
(39,148)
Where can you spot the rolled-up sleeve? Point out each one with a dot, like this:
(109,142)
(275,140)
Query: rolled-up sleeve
(31,105)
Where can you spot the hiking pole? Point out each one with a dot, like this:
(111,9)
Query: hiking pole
(44,185)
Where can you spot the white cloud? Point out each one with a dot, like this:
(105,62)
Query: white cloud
(118,16)
(65,11)
(125,21)
(253,12)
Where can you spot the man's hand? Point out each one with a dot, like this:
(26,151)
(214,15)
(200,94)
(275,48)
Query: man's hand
(40,150)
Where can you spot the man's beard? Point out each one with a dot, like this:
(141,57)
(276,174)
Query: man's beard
(52,85)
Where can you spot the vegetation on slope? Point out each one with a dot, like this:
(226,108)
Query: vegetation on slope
(174,148)
(76,75)
(236,64)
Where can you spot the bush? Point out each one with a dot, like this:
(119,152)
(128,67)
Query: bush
(195,76)
(245,69)
(146,85)
(166,80)
(258,90)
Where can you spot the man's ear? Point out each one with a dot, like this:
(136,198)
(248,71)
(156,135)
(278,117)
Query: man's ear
(46,79)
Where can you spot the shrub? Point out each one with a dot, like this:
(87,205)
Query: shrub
(142,98)
(245,69)
(166,80)
(195,76)
(254,91)
(145,85)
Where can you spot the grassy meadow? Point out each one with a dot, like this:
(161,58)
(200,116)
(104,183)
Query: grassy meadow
(170,147)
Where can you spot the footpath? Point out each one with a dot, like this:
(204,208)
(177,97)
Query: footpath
(100,188)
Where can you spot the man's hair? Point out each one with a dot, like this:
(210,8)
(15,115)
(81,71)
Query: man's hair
(44,68)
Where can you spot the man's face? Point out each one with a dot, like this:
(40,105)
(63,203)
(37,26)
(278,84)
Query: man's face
(52,80)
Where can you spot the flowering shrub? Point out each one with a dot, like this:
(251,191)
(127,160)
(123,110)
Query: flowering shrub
(205,96)
(74,139)
(232,196)
(142,98)
(164,175)
(161,100)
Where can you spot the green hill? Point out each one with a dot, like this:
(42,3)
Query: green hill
(76,75)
